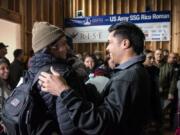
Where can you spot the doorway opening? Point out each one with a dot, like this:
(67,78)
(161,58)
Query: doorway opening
(10,35)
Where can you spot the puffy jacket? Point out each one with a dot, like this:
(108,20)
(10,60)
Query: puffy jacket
(124,109)
(40,60)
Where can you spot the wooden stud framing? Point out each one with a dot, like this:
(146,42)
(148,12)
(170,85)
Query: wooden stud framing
(26,12)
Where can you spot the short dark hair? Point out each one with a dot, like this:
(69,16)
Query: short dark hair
(17,52)
(2,45)
(131,32)
(3,61)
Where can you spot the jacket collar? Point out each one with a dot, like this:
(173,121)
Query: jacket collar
(130,62)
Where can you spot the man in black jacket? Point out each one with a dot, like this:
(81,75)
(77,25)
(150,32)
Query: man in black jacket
(17,67)
(125,106)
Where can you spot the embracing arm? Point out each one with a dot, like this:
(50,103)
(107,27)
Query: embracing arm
(84,115)
(89,118)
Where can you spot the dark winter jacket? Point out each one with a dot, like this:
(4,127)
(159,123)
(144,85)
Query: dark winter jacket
(167,80)
(40,60)
(16,71)
(124,109)
(156,113)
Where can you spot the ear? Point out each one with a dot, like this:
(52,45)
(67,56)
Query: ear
(126,43)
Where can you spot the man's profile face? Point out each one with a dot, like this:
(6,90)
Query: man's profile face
(115,47)
(59,50)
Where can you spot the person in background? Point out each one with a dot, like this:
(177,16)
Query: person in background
(178,58)
(3,51)
(107,68)
(5,88)
(17,67)
(149,64)
(172,58)
(98,58)
(167,88)
(158,61)
(111,64)
(165,53)
(177,118)
(89,62)
(31,53)
(173,93)
(126,101)
(156,111)
(102,75)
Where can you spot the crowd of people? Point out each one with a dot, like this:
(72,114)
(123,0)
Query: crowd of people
(129,91)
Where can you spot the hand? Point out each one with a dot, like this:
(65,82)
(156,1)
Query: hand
(53,83)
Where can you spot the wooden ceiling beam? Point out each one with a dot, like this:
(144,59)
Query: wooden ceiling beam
(10,15)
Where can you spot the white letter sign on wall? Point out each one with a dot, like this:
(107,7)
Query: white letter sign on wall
(155,25)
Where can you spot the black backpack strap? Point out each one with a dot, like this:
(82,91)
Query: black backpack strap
(2,95)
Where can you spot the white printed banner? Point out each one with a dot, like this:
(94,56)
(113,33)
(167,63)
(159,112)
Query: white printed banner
(155,25)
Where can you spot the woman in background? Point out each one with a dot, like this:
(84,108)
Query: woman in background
(156,111)
(5,88)
(90,64)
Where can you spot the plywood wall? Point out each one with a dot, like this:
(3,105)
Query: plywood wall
(106,7)
(39,10)
(26,12)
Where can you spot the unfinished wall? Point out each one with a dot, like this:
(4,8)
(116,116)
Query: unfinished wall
(25,12)
(106,7)
(10,35)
